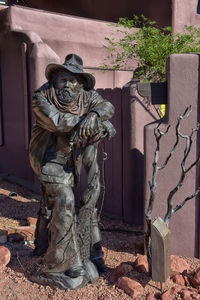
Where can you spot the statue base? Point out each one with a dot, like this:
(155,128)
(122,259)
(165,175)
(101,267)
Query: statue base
(62,281)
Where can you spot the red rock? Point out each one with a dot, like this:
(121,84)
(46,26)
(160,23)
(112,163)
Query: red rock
(195,281)
(121,270)
(150,296)
(178,264)
(179,279)
(141,264)
(32,221)
(195,295)
(172,274)
(166,295)
(176,289)
(4,256)
(186,295)
(171,293)
(131,286)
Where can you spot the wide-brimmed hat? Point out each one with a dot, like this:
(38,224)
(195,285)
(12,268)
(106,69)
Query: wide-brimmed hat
(74,64)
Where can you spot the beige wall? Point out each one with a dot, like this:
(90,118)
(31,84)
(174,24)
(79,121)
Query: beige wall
(184,12)
(183,90)
(66,34)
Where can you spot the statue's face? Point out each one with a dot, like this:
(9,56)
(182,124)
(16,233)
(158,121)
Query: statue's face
(66,85)
(65,79)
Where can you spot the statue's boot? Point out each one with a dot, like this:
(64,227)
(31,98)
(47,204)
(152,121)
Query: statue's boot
(63,281)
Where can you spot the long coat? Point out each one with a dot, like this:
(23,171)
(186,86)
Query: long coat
(53,128)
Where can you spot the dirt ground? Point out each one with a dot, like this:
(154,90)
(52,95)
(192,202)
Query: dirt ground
(121,243)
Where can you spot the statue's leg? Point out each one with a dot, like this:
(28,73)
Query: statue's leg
(62,266)
(63,251)
(89,233)
(41,232)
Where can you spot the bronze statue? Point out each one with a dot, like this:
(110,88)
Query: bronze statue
(71,119)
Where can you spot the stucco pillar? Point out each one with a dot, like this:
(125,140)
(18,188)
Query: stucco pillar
(183,90)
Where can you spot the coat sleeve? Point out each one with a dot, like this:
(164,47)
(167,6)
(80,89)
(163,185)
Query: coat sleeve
(50,118)
(102,107)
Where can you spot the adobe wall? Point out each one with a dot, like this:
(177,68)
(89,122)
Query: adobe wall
(185,12)
(183,90)
(67,34)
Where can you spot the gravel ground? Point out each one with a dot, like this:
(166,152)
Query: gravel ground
(120,244)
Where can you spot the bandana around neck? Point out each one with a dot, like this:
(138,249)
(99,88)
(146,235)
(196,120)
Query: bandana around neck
(77,106)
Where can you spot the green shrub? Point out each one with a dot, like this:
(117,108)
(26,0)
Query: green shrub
(149,45)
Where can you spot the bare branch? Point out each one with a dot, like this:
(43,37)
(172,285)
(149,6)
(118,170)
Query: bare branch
(189,141)
(153,184)
(150,185)
(179,119)
(186,113)
(179,206)
(171,153)
(153,187)
(165,132)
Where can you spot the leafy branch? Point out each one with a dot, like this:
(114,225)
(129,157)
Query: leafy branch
(142,40)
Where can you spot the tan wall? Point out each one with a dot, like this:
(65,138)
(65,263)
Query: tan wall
(183,90)
(184,12)
(66,34)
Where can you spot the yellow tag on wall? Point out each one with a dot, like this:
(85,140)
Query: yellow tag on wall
(163,108)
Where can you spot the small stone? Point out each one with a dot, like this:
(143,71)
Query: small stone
(132,287)
(186,294)
(166,295)
(176,289)
(4,256)
(171,293)
(195,281)
(195,295)
(141,264)
(150,296)
(13,194)
(121,270)
(34,200)
(178,264)
(32,221)
(179,279)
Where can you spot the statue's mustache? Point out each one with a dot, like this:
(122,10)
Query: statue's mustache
(68,93)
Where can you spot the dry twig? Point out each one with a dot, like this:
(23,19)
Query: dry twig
(184,170)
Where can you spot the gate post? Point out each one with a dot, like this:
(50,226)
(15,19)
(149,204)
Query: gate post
(183,90)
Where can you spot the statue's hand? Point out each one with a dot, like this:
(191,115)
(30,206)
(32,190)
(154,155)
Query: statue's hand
(109,129)
(88,127)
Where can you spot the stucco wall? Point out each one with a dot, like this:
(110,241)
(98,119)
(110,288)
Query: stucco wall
(66,34)
(183,90)
(184,12)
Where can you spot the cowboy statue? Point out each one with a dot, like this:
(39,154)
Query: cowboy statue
(71,119)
